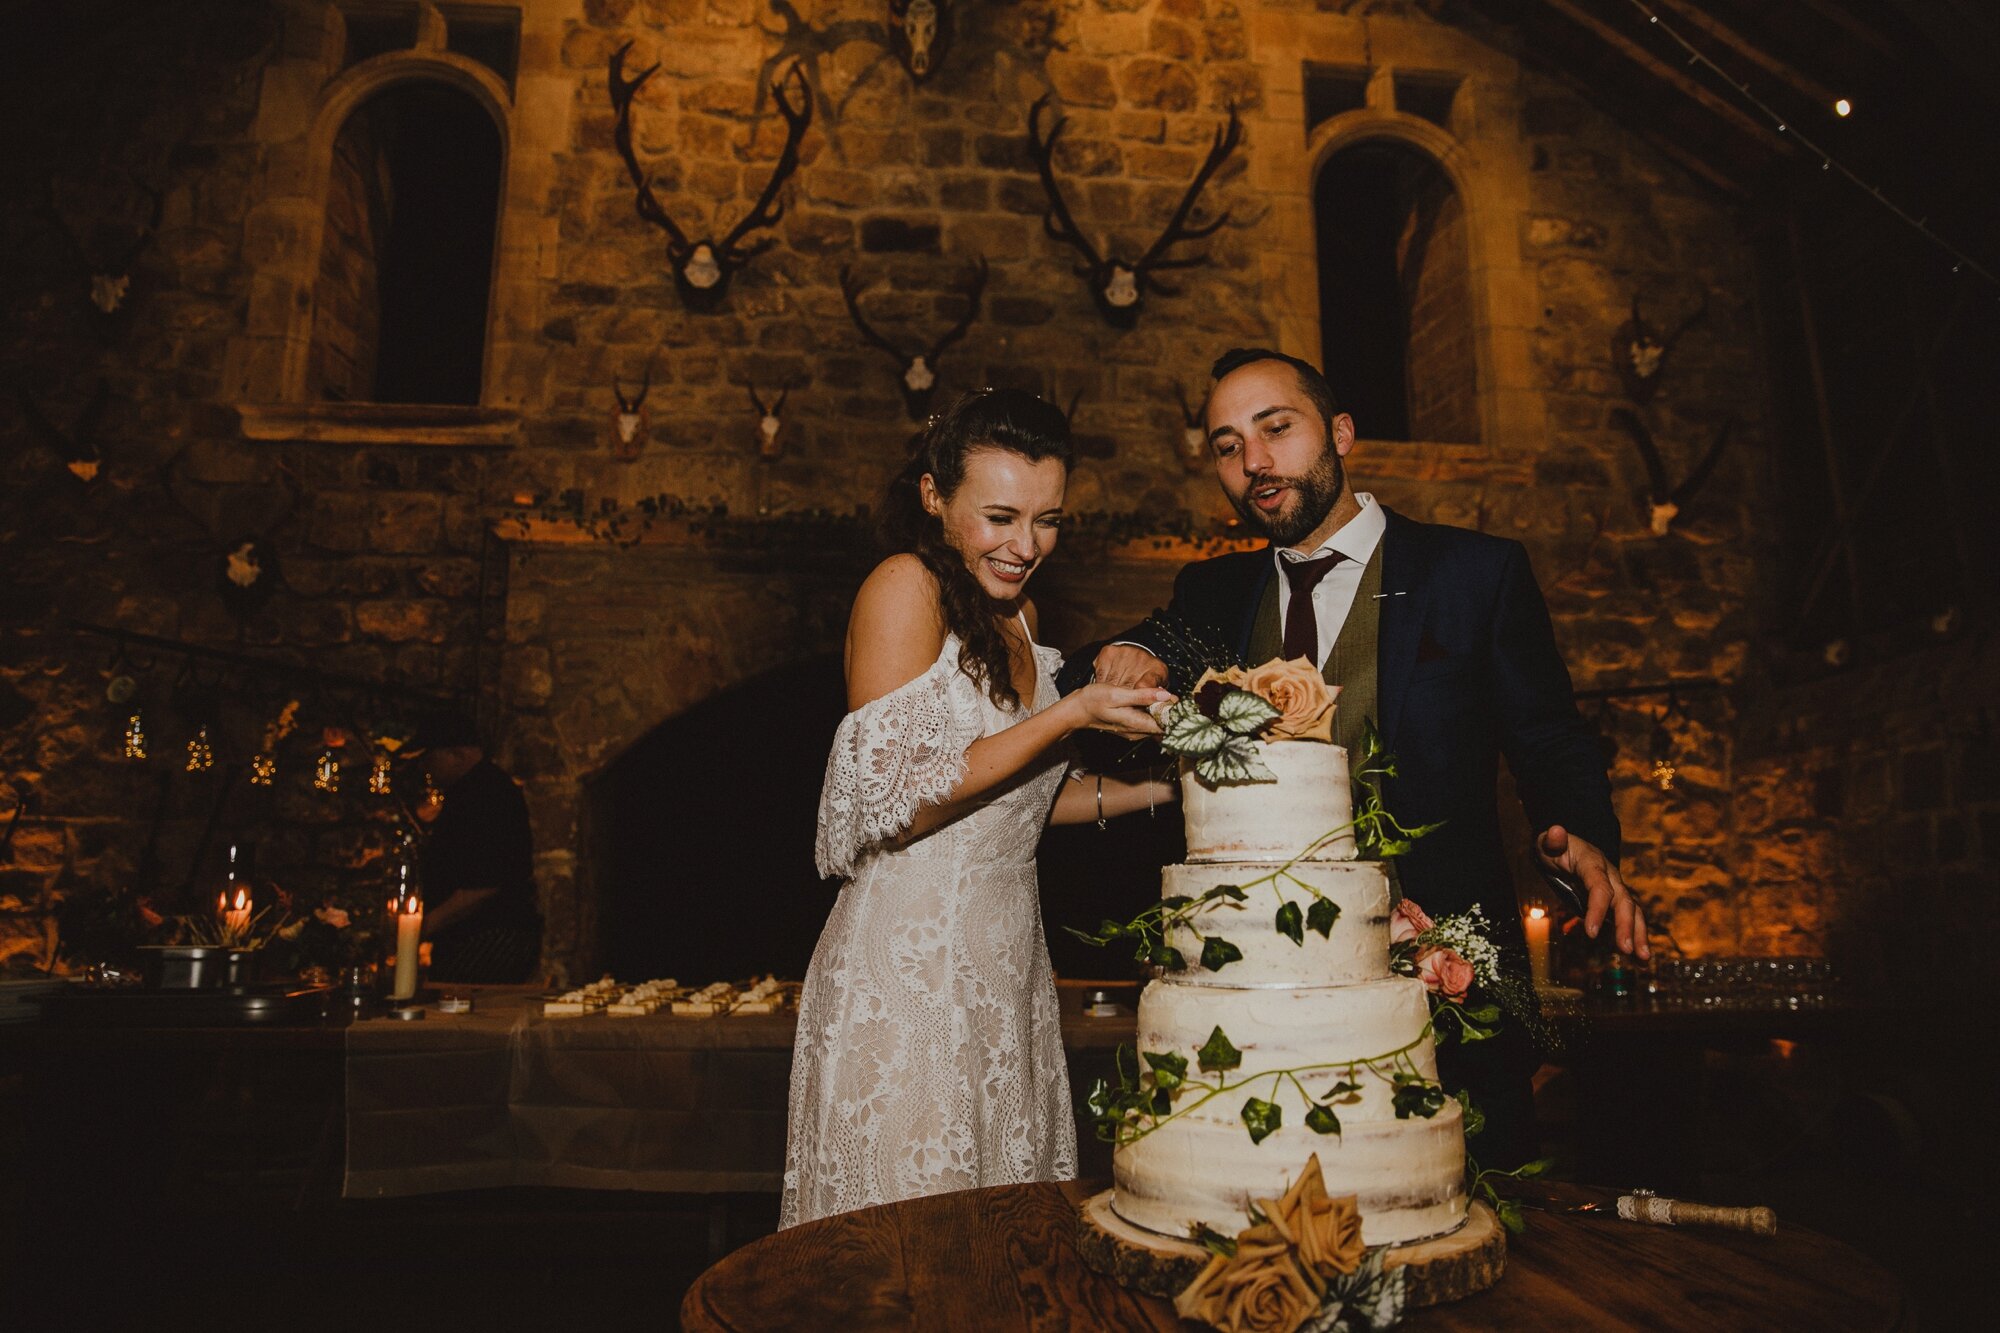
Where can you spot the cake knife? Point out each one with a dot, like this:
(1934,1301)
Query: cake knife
(1648,1207)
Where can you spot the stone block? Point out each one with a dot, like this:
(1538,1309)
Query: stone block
(340,522)
(908,235)
(1082,81)
(405,524)
(1157,84)
(401,619)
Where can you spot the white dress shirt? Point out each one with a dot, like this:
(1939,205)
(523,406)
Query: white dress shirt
(1333,595)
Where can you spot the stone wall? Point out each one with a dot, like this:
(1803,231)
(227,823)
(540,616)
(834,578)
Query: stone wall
(1565,218)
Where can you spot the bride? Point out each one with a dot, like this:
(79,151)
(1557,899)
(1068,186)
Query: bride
(929,1052)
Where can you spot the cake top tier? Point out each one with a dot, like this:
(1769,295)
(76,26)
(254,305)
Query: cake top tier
(1274,821)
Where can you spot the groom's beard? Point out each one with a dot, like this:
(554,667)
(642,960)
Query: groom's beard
(1315,495)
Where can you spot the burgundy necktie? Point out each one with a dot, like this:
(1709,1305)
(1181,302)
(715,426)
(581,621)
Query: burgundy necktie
(1301,624)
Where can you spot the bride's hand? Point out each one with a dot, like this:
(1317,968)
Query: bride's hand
(1116,708)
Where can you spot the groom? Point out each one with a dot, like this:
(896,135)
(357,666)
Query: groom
(1438,634)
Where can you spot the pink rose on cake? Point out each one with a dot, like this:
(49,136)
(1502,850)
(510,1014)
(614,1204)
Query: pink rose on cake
(1445,973)
(1296,689)
(1302,697)
(1407,922)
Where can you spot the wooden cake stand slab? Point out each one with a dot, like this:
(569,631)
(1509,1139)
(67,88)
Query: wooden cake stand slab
(1447,1268)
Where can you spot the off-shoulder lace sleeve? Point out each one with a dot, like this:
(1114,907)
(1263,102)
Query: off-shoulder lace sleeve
(893,756)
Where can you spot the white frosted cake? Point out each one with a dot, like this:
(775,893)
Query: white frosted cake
(1305,995)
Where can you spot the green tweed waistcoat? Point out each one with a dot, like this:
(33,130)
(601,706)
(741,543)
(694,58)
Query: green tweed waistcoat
(1352,663)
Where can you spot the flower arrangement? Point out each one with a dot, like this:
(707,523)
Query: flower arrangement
(1299,1265)
(1217,725)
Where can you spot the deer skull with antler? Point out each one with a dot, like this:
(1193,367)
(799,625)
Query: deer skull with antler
(109,282)
(1118,287)
(78,445)
(923,31)
(770,423)
(919,369)
(703,268)
(1664,502)
(1640,354)
(630,425)
(1193,449)
(246,566)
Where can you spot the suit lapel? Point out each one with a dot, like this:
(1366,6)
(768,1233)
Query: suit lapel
(1261,574)
(1405,593)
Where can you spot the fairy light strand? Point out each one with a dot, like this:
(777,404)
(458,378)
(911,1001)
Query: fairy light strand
(1827,161)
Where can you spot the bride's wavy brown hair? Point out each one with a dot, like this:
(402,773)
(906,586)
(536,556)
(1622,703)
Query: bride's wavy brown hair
(1009,419)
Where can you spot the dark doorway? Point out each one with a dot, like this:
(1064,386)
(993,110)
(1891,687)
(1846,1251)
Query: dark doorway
(407,263)
(701,834)
(1396,324)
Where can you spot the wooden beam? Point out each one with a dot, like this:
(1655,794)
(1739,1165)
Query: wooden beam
(1843,542)
(1659,68)
(1695,17)
(1854,27)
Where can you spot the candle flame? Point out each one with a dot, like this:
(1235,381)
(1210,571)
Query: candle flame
(1536,914)
(242,899)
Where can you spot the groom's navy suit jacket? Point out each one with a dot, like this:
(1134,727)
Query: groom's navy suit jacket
(1467,671)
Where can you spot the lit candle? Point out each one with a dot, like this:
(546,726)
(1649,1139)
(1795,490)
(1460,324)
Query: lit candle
(234,906)
(409,935)
(1538,946)
(235,916)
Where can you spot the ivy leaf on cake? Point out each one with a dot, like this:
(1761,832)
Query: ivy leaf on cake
(1217,725)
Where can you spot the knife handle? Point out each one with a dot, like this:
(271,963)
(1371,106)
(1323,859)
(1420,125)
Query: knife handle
(1680,1213)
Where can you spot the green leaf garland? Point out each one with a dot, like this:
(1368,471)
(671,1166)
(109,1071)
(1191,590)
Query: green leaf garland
(1262,1119)
(1217,1054)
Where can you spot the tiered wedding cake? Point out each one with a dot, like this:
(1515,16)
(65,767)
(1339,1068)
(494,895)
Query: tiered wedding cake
(1310,1019)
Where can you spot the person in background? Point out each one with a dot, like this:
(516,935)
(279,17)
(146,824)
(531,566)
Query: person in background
(476,862)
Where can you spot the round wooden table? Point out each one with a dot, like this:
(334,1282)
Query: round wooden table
(1005,1258)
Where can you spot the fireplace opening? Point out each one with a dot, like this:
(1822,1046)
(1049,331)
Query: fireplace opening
(701,833)
(700,838)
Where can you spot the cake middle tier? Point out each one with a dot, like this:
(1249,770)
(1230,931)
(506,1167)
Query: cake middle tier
(1330,1032)
(1354,948)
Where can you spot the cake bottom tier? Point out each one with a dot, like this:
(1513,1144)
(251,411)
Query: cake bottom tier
(1408,1176)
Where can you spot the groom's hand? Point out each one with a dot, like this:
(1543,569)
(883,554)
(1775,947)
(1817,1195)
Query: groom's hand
(1609,894)
(1129,666)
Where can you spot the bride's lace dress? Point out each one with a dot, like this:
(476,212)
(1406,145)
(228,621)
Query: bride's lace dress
(929,1052)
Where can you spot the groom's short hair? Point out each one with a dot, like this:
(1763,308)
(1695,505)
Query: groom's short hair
(1311,382)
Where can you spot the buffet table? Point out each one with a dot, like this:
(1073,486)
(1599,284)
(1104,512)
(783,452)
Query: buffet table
(1005,1258)
(504,1096)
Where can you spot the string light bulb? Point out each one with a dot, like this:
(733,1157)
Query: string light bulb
(135,736)
(201,754)
(263,770)
(326,773)
(1843,108)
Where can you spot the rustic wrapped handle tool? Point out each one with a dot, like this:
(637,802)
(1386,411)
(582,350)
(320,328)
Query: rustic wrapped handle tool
(1653,1209)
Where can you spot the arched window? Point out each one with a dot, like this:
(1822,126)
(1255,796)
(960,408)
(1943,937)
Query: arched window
(1397,326)
(406,262)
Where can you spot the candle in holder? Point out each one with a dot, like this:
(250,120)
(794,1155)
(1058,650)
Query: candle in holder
(235,912)
(233,906)
(1538,946)
(409,934)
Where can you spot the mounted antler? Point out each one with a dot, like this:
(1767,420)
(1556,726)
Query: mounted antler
(703,268)
(1665,502)
(1640,355)
(1120,288)
(920,368)
(109,282)
(923,30)
(77,445)
(1094,444)
(1194,434)
(629,427)
(246,565)
(770,422)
